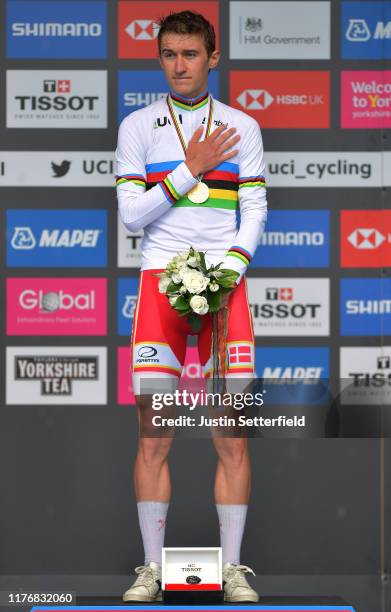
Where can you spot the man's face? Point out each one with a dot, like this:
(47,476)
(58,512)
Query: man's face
(186,64)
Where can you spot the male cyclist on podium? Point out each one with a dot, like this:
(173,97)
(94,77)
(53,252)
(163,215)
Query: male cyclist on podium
(184,165)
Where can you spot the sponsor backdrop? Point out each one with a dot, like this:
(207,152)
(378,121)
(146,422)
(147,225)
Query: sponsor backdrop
(314,75)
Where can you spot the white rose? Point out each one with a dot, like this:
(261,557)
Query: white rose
(214,287)
(164,281)
(199,304)
(173,299)
(192,262)
(182,289)
(183,271)
(194,281)
(176,277)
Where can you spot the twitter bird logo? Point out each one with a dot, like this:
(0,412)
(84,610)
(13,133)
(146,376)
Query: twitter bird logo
(60,169)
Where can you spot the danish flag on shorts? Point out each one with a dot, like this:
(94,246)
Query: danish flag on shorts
(239,353)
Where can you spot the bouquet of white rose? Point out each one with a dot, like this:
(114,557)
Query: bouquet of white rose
(192,288)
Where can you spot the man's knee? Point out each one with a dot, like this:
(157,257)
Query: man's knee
(231,451)
(154,451)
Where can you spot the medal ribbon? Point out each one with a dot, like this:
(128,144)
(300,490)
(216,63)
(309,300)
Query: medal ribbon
(177,124)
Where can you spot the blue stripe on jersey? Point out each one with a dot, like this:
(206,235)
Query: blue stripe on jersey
(171,165)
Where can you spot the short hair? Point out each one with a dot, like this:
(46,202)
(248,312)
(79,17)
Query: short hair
(187,22)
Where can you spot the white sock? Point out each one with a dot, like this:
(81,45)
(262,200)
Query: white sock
(152,519)
(232,519)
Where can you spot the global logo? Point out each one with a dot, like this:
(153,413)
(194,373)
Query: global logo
(255,99)
(358,31)
(147,352)
(55,300)
(142,29)
(62,169)
(366,238)
(23,238)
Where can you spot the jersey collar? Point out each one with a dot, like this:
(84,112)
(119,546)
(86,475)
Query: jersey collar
(189,103)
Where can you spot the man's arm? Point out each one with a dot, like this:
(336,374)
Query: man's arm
(137,206)
(252,201)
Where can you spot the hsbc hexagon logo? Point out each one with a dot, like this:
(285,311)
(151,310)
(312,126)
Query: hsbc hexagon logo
(142,29)
(364,238)
(255,99)
(138,23)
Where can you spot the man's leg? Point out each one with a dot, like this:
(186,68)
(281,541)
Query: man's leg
(158,352)
(232,492)
(233,473)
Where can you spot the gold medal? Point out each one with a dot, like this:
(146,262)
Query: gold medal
(199,194)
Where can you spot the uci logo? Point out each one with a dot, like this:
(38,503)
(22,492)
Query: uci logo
(146,352)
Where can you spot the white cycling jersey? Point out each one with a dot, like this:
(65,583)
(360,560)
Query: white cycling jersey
(153,180)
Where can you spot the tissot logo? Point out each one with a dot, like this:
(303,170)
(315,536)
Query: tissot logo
(279,293)
(62,169)
(256,99)
(58,99)
(384,362)
(365,374)
(290,307)
(63,86)
(142,29)
(366,238)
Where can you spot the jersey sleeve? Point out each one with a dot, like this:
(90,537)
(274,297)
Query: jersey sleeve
(138,207)
(252,201)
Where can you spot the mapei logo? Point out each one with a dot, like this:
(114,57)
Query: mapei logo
(358,31)
(23,238)
(142,29)
(366,30)
(288,371)
(255,99)
(41,29)
(56,238)
(365,238)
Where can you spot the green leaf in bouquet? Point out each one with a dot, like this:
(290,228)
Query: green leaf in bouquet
(173,287)
(202,262)
(214,301)
(194,321)
(181,304)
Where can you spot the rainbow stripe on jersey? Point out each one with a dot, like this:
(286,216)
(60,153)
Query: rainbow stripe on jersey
(222,182)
